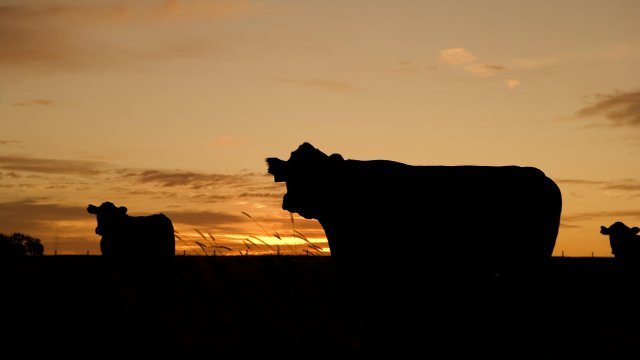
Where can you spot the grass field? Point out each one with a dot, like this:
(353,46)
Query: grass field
(307,307)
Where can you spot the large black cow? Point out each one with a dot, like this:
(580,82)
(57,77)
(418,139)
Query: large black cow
(129,236)
(381,210)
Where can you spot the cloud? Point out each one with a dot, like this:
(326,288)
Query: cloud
(72,34)
(512,83)
(11,143)
(36,102)
(30,216)
(204,218)
(34,211)
(194,180)
(322,84)
(51,166)
(460,56)
(564,225)
(581,182)
(261,195)
(98,176)
(618,109)
(624,186)
(627,185)
(456,56)
(483,70)
(12,175)
(621,214)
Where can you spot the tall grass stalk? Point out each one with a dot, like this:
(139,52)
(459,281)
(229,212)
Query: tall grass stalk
(276,235)
(177,235)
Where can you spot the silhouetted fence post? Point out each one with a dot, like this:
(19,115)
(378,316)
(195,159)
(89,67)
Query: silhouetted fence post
(87,252)
(184,252)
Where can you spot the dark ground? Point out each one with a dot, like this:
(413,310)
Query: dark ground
(307,307)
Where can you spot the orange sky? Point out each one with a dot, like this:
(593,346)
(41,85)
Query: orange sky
(172,106)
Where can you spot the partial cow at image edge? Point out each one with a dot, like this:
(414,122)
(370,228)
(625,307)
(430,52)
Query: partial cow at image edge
(625,244)
(495,218)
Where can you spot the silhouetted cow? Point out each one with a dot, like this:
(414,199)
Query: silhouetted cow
(625,242)
(128,236)
(500,217)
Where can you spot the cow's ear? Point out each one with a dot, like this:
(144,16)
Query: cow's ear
(635,230)
(122,210)
(92,209)
(604,230)
(277,168)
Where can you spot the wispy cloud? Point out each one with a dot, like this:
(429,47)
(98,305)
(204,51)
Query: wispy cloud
(71,34)
(617,109)
(11,143)
(35,102)
(604,215)
(51,166)
(581,182)
(456,56)
(261,195)
(33,210)
(46,173)
(31,216)
(204,218)
(193,180)
(10,175)
(322,84)
(460,57)
(630,185)
(483,70)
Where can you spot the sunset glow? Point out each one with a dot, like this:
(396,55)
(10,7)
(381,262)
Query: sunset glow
(173,106)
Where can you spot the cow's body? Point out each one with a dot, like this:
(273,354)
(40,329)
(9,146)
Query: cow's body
(133,236)
(454,215)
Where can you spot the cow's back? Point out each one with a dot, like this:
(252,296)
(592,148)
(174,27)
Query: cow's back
(146,236)
(160,237)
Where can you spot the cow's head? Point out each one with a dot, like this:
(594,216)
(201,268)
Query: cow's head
(312,178)
(109,217)
(619,229)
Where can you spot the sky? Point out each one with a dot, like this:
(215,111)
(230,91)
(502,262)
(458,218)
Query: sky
(173,106)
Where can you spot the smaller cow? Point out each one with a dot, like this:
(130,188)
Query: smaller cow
(625,242)
(129,236)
